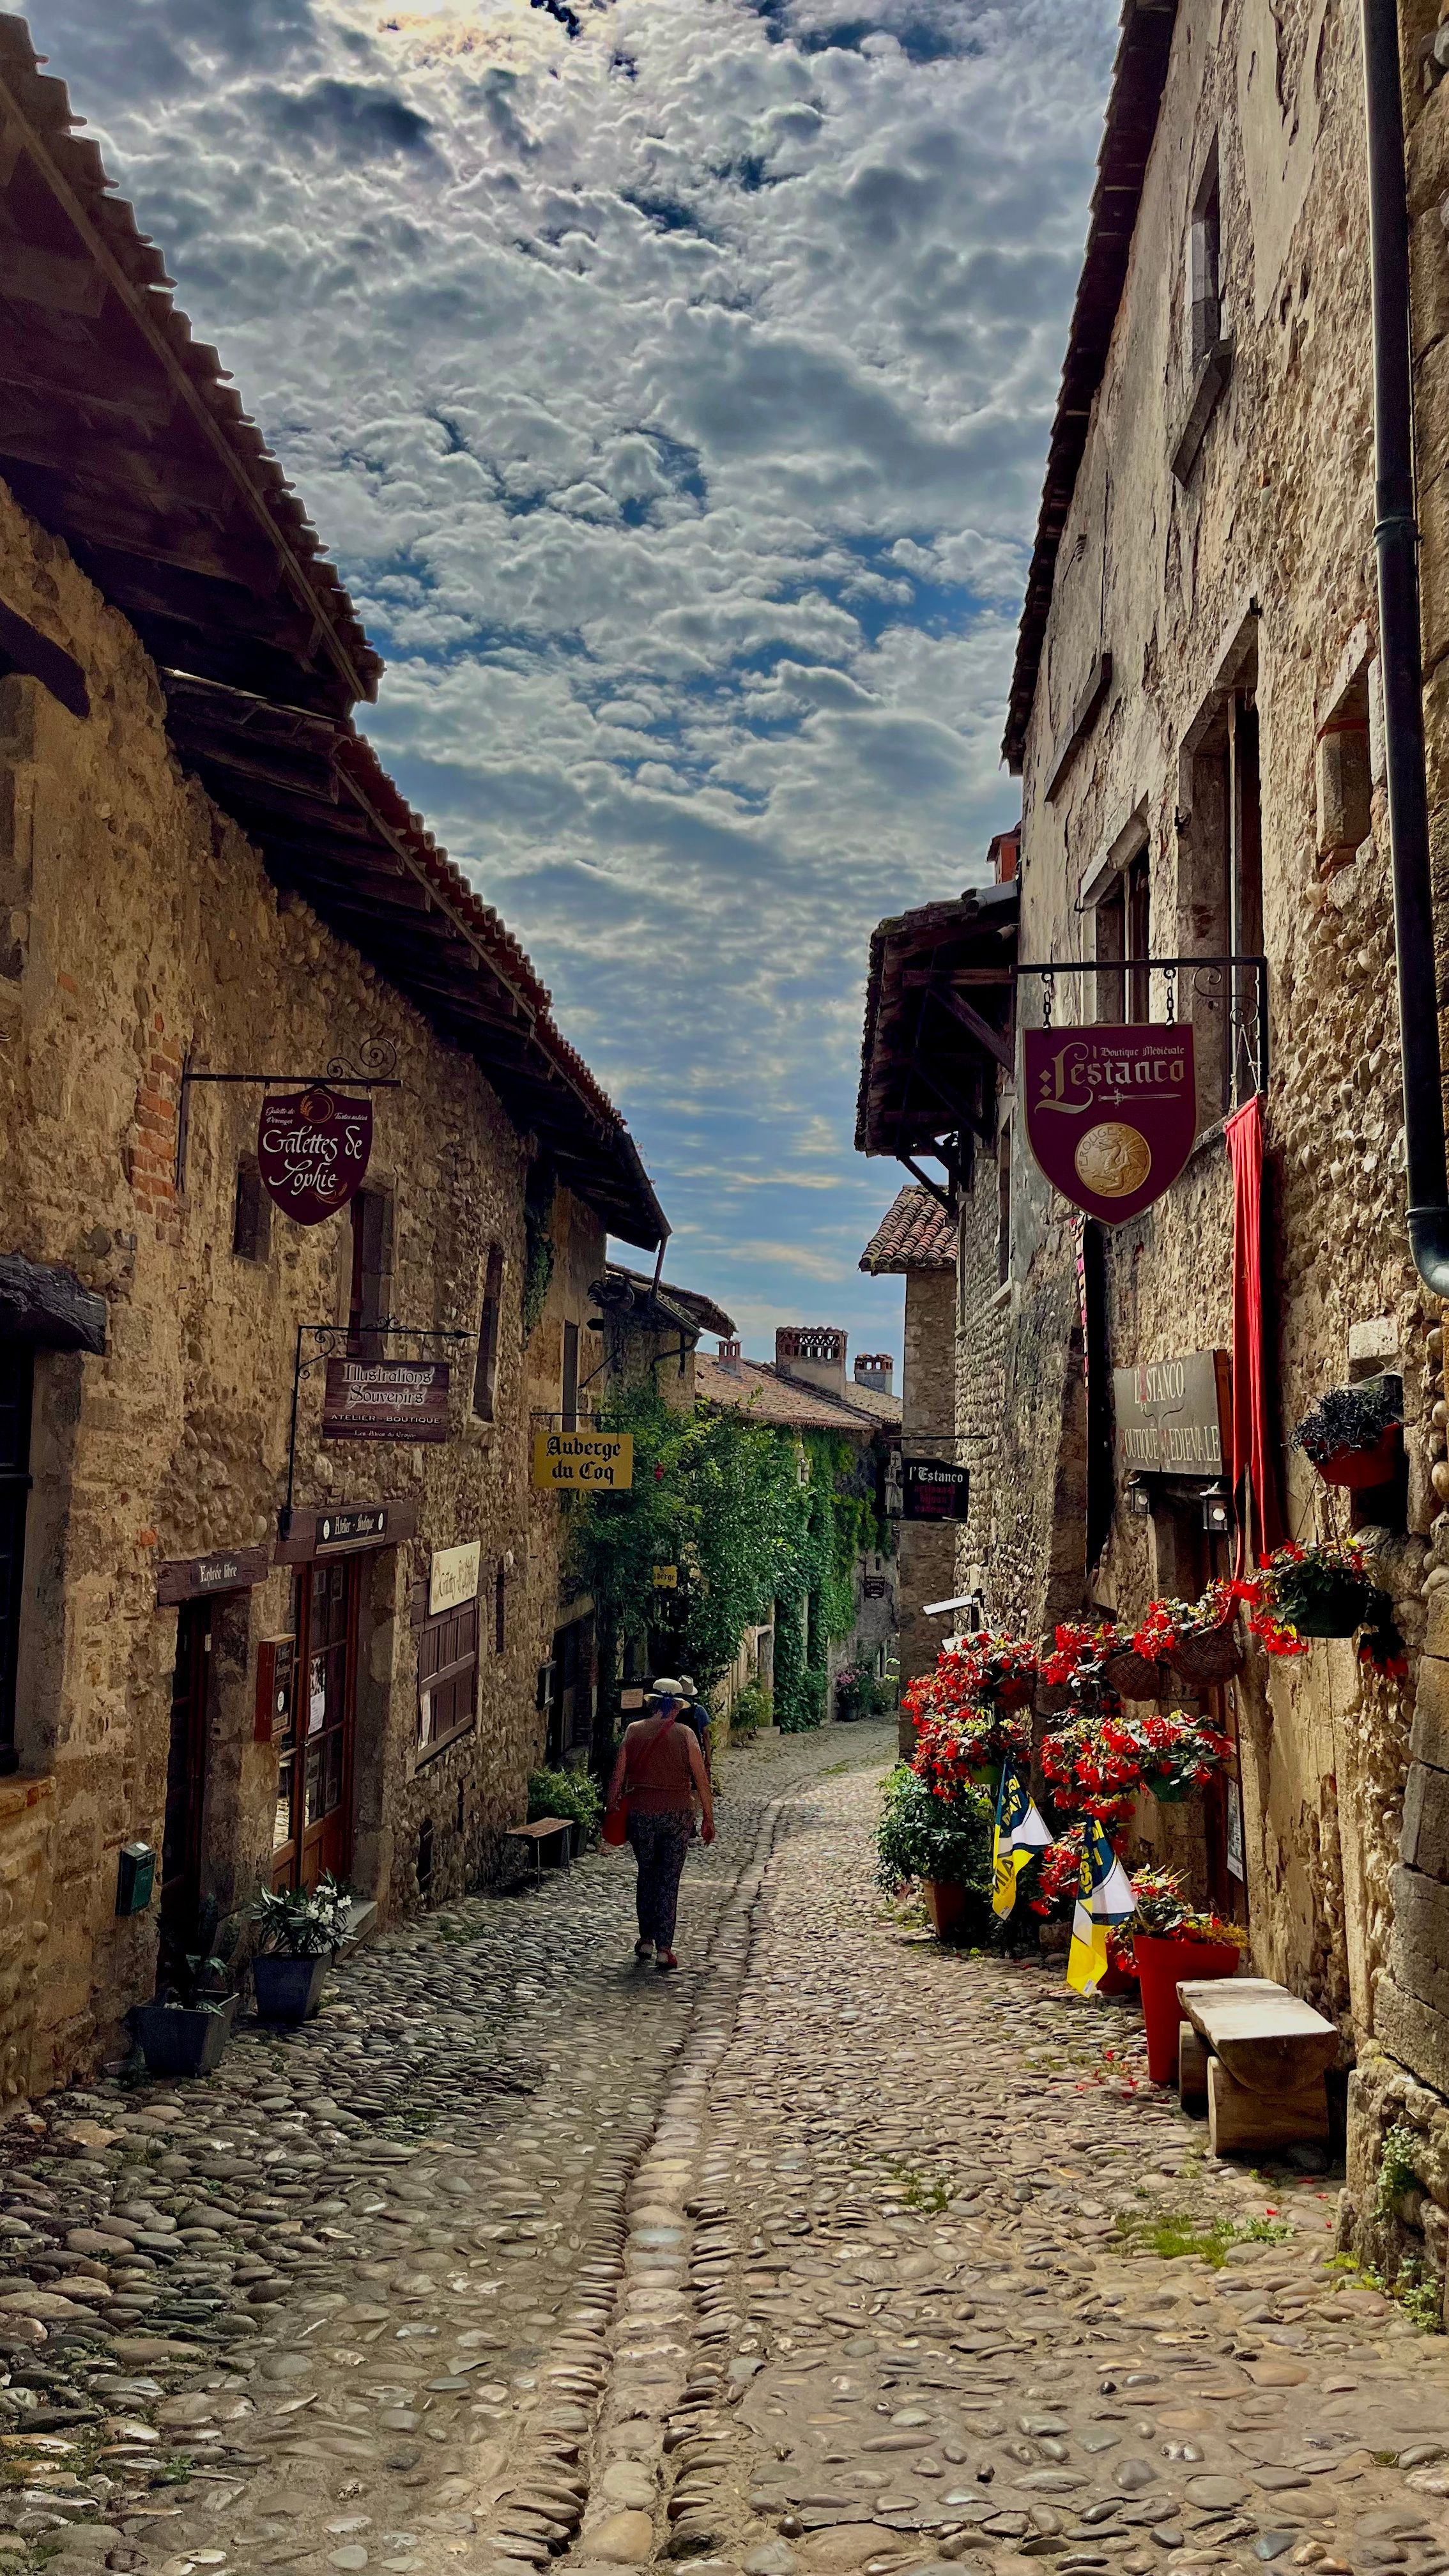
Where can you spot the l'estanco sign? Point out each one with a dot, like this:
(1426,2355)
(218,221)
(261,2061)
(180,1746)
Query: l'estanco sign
(1111,1113)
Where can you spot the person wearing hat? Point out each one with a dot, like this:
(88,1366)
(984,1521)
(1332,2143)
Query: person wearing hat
(659,1773)
(695,1715)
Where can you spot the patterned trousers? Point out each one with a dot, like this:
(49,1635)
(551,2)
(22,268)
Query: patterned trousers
(659,1845)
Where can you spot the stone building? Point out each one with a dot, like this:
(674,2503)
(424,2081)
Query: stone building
(1195,716)
(258,1648)
(917,1240)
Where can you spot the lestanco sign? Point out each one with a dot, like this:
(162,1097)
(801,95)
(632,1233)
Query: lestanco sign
(1111,1113)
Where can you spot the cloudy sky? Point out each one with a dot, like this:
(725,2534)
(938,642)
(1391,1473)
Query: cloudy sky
(670,379)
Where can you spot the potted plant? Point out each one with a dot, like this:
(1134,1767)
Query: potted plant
(1094,1765)
(571,1794)
(941,1840)
(1073,1674)
(1303,1592)
(186,2029)
(858,1693)
(1008,1670)
(952,1751)
(1138,1668)
(1351,1434)
(1171,1943)
(1178,1753)
(1200,1638)
(302,1930)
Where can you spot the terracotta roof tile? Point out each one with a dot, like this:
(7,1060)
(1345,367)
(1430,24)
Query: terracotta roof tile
(754,1386)
(914,1234)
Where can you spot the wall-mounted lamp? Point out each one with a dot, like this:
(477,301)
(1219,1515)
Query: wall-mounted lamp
(1139,1502)
(1217,1512)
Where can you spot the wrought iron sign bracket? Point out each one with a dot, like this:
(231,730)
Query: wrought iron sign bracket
(377,1057)
(332,1341)
(1251,1024)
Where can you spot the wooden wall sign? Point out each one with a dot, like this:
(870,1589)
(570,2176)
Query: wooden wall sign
(313,1148)
(386,1400)
(341,1532)
(453,1576)
(591,1461)
(229,1569)
(1111,1113)
(1169,1415)
(934,1490)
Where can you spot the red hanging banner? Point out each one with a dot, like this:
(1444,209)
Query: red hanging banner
(1111,1113)
(1259,1515)
(312,1150)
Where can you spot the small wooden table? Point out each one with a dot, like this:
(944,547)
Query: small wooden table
(538,1834)
(1259,2055)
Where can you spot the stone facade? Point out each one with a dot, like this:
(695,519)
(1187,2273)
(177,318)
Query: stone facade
(142,932)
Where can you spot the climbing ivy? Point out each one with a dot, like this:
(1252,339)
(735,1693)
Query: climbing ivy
(538,1251)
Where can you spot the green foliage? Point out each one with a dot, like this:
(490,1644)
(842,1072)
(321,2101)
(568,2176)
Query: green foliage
(1172,2233)
(923,1836)
(298,1923)
(858,1693)
(719,1496)
(1396,2170)
(565,1793)
(754,1708)
(538,1253)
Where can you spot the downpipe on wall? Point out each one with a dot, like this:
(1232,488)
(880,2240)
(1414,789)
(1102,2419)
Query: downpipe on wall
(1396,540)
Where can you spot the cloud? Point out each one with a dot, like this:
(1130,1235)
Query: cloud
(670,379)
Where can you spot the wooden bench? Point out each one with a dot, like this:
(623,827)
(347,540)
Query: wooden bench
(1258,2056)
(539,1833)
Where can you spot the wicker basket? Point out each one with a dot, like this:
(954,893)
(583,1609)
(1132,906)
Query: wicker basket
(1213,1655)
(1134,1677)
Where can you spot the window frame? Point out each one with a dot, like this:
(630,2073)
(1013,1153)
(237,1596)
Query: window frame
(456,1628)
(485,1367)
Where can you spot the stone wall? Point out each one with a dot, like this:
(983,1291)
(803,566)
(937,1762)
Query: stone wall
(927,1558)
(142,929)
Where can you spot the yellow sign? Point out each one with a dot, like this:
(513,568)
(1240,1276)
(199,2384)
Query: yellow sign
(588,1461)
(666,1578)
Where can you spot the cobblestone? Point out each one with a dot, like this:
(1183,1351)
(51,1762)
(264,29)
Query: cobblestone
(837,2252)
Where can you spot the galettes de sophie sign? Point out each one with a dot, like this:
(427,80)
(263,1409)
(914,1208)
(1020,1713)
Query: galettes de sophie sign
(312,1150)
(1111,1113)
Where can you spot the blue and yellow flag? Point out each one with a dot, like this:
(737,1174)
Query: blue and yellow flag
(1020,1831)
(1104,1897)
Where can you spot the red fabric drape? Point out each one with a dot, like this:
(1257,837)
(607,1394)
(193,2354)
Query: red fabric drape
(1251,1454)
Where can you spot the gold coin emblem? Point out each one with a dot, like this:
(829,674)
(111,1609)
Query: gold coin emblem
(1112,1159)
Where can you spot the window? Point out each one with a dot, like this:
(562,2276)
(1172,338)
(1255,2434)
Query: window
(500,1608)
(1110,916)
(1139,935)
(570,1377)
(251,1225)
(447,1676)
(367,1303)
(1003,1203)
(1204,267)
(485,1373)
(1345,777)
(1221,854)
(15,1400)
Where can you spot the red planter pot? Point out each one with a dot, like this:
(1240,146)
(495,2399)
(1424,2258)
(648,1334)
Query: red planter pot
(1117,1981)
(1161,1967)
(946,1905)
(1360,1468)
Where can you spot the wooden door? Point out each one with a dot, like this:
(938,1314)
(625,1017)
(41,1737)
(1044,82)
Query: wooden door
(181,1832)
(314,1783)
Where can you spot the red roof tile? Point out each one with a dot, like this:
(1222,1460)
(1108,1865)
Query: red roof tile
(914,1234)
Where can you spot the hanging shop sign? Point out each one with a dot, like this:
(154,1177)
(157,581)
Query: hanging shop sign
(587,1461)
(666,1578)
(453,1576)
(313,1148)
(933,1490)
(341,1532)
(1169,1415)
(228,1569)
(1111,1113)
(386,1400)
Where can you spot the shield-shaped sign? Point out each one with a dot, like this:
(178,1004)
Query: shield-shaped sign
(312,1150)
(1111,1113)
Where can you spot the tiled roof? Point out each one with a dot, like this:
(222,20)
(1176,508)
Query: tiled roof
(688,1307)
(928,1072)
(755,1387)
(914,1234)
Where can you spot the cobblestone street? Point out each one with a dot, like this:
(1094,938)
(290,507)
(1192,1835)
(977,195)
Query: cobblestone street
(833,2252)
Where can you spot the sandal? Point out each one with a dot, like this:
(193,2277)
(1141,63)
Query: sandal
(666,1959)
(642,1949)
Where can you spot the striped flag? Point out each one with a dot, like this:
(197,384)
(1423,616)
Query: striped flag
(1104,1897)
(1020,1830)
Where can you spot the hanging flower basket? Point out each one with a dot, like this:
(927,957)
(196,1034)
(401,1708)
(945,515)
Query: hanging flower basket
(1015,1691)
(1209,1655)
(1360,1468)
(1312,1592)
(1352,1433)
(1132,1676)
(1337,1611)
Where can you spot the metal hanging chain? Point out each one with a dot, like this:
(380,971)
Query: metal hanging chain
(1170,973)
(1048,989)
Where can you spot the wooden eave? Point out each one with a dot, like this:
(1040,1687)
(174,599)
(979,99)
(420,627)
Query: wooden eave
(121,435)
(939,1023)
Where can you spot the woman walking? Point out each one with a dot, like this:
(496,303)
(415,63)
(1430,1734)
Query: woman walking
(659,1773)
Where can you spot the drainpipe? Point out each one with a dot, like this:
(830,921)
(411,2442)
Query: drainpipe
(1396,538)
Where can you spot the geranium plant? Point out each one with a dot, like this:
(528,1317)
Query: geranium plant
(1178,1753)
(950,1750)
(1075,1661)
(1163,1913)
(1305,1592)
(1095,1767)
(1008,1669)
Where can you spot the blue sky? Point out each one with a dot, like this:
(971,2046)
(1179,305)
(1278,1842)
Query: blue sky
(670,380)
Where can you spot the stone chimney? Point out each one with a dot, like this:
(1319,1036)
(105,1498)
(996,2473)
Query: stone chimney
(812,1354)
(874,1369)
(729,1358)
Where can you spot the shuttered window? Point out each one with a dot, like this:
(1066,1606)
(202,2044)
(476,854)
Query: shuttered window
(447,1676)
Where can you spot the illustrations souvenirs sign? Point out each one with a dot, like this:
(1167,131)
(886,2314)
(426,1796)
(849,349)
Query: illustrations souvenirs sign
(1111,1113)
(386,1400)
(312,1150)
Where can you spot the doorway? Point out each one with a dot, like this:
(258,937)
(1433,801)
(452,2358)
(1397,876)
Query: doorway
(313,1830)
(15,1399)
(182,1827)
(1188,1559)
